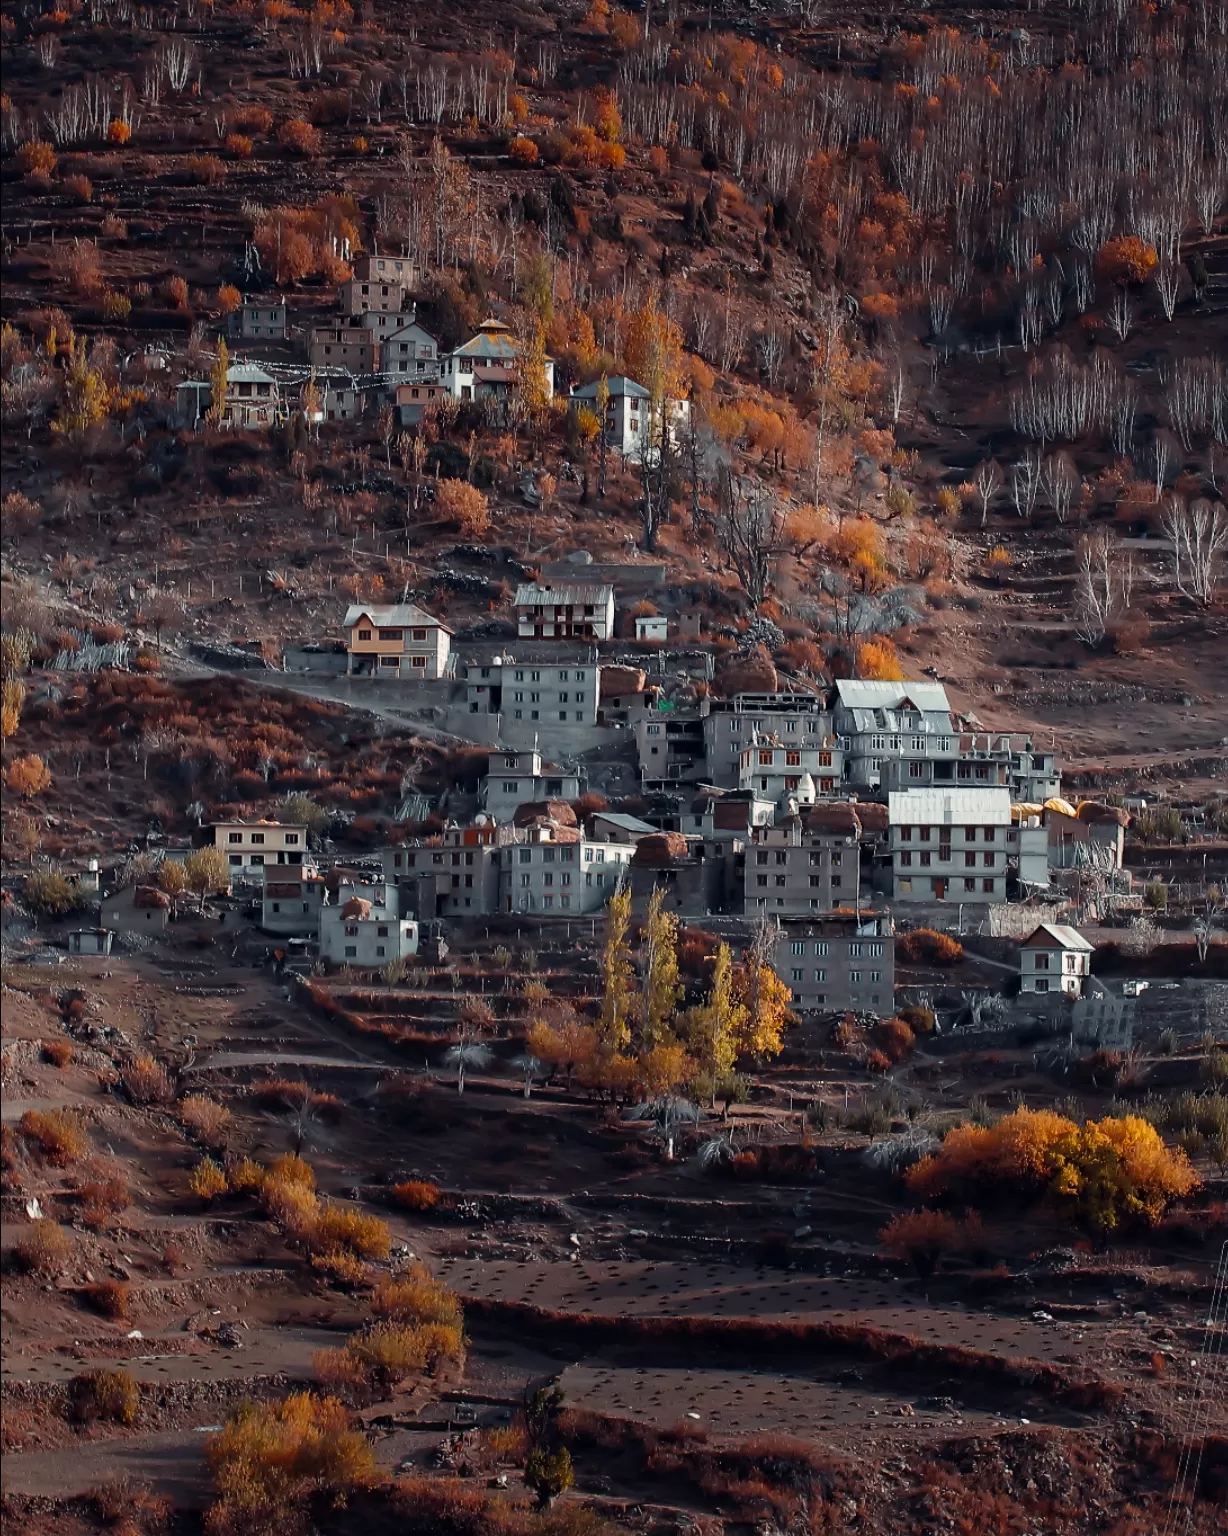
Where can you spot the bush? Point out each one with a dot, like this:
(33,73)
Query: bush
(50,895)
(108,1297)
(57,1052)
(416,1195)
(894,1039)
(116,307)
(37,159)
(339,1226)
(923,1237)
(205,170)
(208,1181)
(245,1176)
(523,151)
(300,137)
(112,1395)
(292,1169)
(1106,1173)
(239,145)
(463,504)
(119,132)
(102,1197)
(926,946)
(147,1081)
(44,1248)
(920,1020)
(28,776)
(272,1455)
(59,1134)
(79,187)
(205,1119)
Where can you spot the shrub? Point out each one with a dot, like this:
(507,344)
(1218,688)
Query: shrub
(1155,894)
(926,946)
(147,1081)
(208,1181)
(415,1296)
(999,559)
(877,659)
(245,1176)
(116,306)
(292,1169)
(119,132)
(108,1297)
(59,1134)
(112,1395)
(176,291)
(523,151)
(341,1267)
(463,504)
(920,1020)
(205,1119)
(239,145)
(44,1248)
(253,119)
(1129,260)
(205,170)
(28,776)
(894,1039)
(50,895)
(270,1456)
(37,159)
(922,1237)
(416,1195)
(281,1093)
(1106,1172)
(300,136)
(79,187)
(57,1052)
(548,1474)
(228,299)
(339,1226)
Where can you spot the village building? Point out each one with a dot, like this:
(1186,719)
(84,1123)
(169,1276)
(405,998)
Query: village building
(90,941)
(574,612)
(413,400)
(1055,958)
(409,352)
(949,844)
(292,902)
(258,320)
(386,269)
(794,720)
(618,827)
(629,416)
(797,865)
(343,346)
(363,927)
(137,909)
(1094,838)
(838,964)
(533,691)
(514,779)
(778,772)
(555,870)
(488,365)
(879,720)
(693,875)
(251,846)
(362,295)
(455,874)
(651,626)
(396,641)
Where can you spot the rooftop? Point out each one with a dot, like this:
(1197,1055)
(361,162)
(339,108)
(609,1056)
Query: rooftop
(1050,935)
(862,693)
(620,384)
(535,595)
(950,807)
(391,616)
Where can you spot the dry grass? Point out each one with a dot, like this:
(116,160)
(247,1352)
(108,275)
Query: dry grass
(416,1195)
(205,1120)
(58,1053)
(112,1395)
(147,1081)
(208,1181)
(43,1248)
(109,1298)
(59,1134)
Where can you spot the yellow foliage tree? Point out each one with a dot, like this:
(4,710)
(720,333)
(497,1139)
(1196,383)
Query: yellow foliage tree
(766,1000)
(660,988)
(877,659)
(714,1029)
(564,1042)
(465,505)
(614,1027)
(1105,1173)
(86,395)
(12,697)
(652,354)
(28,776)
(270,1456)
(532,387)
(217,384)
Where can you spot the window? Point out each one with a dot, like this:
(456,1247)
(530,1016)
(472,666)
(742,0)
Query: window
(987,887)
(525,879)
(511,786)
(236,858)
(351,930)
(905,859)
(816,880)
(797,947)
(970,860)
(381,932)
(970,885)
(1042,984)
(765,759)
(916,770)
(419,634)
(970,834)
(277,906)
(1041,962)
(926,859)
(782,858)
(797,975)
(820,975)
(780,879)
(418,661)
(925,834)
(351,951)
(876,976)
(390,634)
(760,879)
(854,977)
(257,837)
(389,661)
(526,855)
(234,837)
(793,759)
(987,859)
(291,838)
(906,834)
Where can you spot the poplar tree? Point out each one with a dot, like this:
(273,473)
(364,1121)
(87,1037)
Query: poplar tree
(614,1029)
(660,989)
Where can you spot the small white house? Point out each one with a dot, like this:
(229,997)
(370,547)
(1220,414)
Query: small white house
(292,902)
(1055,958)
(575,612)
(90,941)
(651,626)
(488,364)
(628,414)
(251,846)
(363,927)
(398,640)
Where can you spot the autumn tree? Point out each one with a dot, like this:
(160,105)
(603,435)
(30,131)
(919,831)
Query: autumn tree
(750,530)
(207,872)
(218,375)
(532,396)
(617,977)
(603,406)
(660,988)
(764,996)
(562,1040)
(86,395)
(12,697)
(463,504)
(28,776)
(713,1029)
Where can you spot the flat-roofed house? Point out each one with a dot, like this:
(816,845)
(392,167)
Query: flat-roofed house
(574,612)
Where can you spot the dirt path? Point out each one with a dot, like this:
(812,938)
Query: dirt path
(172,1463)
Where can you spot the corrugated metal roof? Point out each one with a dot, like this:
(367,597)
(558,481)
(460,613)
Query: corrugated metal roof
(1060,934)
(626,823)
(391,616)
(531,595)
(949,807)
(248,373)
(620,384)
(863,693)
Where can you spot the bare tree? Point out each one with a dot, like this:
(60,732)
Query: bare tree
(1025,483)
(771,348)
(988,482)
(1121,317)
(1199,535)
(749,528)
(1097,587)
(1061,482)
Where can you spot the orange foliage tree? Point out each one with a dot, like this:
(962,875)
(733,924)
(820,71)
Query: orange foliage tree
(465,505)
(877,659)
(1128,260)
(28,776)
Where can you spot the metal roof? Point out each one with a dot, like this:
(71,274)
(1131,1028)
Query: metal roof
(949,807)
(533,595)
(248,373)
(626,823)
(1061,935)
(620,384)
(392,616)
(862,693)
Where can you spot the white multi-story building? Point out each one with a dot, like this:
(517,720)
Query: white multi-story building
(488,364)
(629,415)
(514,779)
(794,720)
(557,871)
(364,928)
(777,772)
(949,844)
(538,692)
(881,720)
(579,611)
